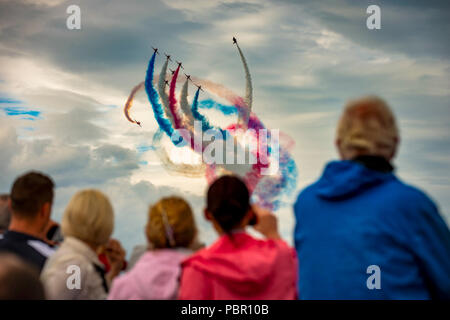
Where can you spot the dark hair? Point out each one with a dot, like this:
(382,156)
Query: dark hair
(19,280)
(228,201)
(29,192)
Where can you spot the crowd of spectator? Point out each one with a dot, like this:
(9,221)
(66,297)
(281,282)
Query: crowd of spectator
(360,233)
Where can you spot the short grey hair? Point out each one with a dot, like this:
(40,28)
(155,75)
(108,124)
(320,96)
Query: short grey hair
(367,127)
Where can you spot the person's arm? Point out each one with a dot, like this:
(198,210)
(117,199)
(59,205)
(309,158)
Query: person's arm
(430,242)
(267,223)
(116,258)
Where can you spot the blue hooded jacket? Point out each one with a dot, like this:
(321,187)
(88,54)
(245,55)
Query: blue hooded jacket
(354,220)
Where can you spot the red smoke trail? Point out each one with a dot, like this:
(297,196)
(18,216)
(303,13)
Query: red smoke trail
(173,100)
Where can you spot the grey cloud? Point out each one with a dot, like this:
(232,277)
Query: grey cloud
(238,7)
(74,126)
(415,28)
(70,165)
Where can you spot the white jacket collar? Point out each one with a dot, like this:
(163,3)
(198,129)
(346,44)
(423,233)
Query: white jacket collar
(77,246)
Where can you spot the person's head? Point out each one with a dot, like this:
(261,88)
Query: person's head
(367,127)
(89,217)
(31,200)
(5,213)
(228,204)
(18,280)
(171,224)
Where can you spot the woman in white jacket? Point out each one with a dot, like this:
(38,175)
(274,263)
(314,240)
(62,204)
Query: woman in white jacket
(74,271)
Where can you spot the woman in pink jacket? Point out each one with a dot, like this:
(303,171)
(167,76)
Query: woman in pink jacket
(238,266)
(170,232)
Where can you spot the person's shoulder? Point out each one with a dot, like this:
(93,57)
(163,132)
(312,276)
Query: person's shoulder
(306,192)
(278,244)
(118,284)
(410,194)
(63,258)
(41,247)
(201,256)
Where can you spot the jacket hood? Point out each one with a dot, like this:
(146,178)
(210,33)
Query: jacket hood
(245,264)
(155,276)
(342,179)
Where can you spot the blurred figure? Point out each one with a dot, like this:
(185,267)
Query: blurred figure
(361,233)
(18,280)
(52,233)
(137,253)
(74,272)
(238,266)
(5,214)
(170,232)
(140,249)
(30,201)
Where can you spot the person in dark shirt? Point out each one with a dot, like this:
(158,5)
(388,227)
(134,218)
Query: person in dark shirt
(30,202)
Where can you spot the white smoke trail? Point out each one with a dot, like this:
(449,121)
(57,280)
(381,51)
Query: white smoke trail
(185,107)
(187,170)
(162,92)
(248,85)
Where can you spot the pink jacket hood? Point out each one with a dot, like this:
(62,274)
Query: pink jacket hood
(155,276)
(241,267)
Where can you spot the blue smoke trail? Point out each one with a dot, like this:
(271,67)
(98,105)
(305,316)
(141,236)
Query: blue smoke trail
(152,94)
(197,115)
(211,104)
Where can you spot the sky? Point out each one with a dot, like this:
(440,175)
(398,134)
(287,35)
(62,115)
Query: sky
(62,91)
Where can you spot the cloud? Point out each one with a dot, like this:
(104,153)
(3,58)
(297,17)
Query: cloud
(307,59)
(107,168)
(415,28)
(73,126)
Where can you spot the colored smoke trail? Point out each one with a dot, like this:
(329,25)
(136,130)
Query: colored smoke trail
(188,170)
(153,97)
(185,107)
(162,91)
(173,100)
(248,84)
(227,94)
(210,104)
(197,115)
(129,102)
(270,190)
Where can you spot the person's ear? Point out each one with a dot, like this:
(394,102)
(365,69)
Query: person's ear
(46,210)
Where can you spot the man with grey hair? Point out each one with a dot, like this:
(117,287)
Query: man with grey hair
(361,233)
(5,214)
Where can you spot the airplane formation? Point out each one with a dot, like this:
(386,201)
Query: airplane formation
(180,65)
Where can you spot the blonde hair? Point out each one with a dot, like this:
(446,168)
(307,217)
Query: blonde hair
(89,217)
(367,127)
(171,224)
